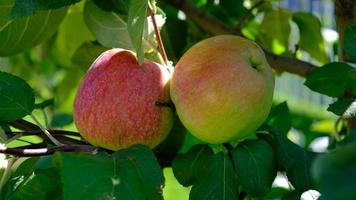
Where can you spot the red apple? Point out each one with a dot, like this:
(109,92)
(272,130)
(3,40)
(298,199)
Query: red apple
(116,104)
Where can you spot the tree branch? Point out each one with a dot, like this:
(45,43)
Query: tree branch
(216,27)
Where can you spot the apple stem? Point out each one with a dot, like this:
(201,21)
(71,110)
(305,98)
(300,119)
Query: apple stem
(158,35)
(45,131)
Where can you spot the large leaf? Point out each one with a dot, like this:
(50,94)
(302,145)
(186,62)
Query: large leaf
(5,9)
(128,174)
(333,79)
(188,167)
(16,97)
(275,29)
(340,106)
(334,173)
(295,160)
(26,32)
(255,166)
(350,42)
(109,29)
(136,23)
(311,39)
(26,7)
(218,182)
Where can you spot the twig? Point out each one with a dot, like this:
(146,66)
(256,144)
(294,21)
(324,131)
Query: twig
(214,26)
(47,151)
(157,33)
(247,15)
(45,131)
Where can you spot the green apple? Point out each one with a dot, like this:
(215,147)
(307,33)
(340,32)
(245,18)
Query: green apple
(222,88)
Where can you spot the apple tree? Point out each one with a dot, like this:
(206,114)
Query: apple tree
(47,46)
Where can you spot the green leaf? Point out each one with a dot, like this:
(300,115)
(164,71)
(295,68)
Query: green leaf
(275,29)
(61,119)
(25,8)
(131,173)
(188,167)
(350,42)
(5,10)
(16,97)
(108,27)
(86,54)
(333,79)
(44,104)
(295,160)
(340,106)
(42,184)
(280,119)
(311,39)
(334,173)
(26,32)
(255,166)
(218,182)
(136,23)
(138,170)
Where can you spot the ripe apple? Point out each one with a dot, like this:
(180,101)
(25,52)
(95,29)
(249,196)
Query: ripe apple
(116,104)
(222,88)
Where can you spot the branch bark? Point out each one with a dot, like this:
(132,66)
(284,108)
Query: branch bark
(216,27)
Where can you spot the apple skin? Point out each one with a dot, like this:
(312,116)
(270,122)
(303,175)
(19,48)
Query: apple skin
(115,106)
(222,88)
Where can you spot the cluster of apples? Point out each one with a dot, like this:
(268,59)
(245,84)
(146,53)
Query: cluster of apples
(221,89)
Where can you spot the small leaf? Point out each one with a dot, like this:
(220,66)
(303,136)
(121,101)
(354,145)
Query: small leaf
(16,97)
(136,24)
(26,8)
(311,39)
(279,118)
(219,181)
(350,42)
(255,166)
(295,160)
(44,104)
(86,54)
(334,173)
(26,32)
(275,29)
(188,167)
(333,79)
(340,106)
(108,27)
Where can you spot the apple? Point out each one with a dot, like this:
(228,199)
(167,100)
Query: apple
(116,105)
(222,88)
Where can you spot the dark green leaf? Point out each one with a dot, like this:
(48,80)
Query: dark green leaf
(86,54)
(44,104)
(334,173)
(188,167)
(26,8)
(350,42)
(118,6)
(5,10)
(16,97)
(131,173)
(295,160)
(138,173)
(61,119)
(108,27)
(136,24)
(311,39)
(333,79)
(218,182)
(275,29)
(280,119)
(255,166)
(26,32)
(340,106)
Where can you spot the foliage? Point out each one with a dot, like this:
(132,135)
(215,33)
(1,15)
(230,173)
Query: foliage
(46,47)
